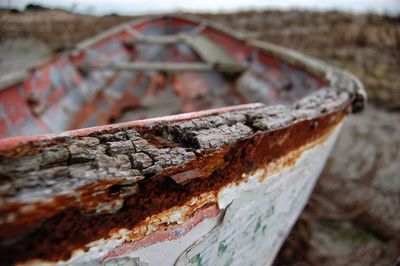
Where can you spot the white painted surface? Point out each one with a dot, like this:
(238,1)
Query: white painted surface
(258,218)
(167,252)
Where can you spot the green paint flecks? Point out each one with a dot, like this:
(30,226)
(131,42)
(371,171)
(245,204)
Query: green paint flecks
(263,229)
(222,248)
(258,225)
(197,260)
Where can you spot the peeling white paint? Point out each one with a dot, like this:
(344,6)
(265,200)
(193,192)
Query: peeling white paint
(167,252)
(260,216)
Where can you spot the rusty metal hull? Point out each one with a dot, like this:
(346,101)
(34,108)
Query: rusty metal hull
(209,187)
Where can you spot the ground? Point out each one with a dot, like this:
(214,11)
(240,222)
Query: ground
(353,216)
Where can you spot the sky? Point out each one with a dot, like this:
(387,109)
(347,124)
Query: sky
(133,7)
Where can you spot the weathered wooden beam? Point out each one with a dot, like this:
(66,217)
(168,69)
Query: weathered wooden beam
(12,78)
(163,66)
(208,51)
(159,39)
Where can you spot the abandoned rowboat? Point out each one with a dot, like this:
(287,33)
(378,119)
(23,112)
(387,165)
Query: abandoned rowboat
(212,185)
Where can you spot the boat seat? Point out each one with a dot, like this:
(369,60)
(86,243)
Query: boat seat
(213,56)
(163,66)
(156,39)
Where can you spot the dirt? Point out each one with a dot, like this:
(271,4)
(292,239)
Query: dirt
(353,216)
(28,57)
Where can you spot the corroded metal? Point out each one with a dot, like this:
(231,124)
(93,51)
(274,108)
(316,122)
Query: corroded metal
(116,193)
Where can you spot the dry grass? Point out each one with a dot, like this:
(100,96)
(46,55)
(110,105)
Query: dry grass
(367,45)
(59,29)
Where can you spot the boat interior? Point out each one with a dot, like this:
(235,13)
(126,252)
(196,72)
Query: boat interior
(148,68)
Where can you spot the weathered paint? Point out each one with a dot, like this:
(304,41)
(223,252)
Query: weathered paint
(96,194)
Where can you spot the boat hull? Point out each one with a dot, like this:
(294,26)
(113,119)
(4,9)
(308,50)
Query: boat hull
(257,217)
(208,187)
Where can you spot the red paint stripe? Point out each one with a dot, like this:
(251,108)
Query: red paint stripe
(172,232)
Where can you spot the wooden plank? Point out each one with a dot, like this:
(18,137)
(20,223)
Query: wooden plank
(160,66)
(12,78)
(158,39)
(208,51)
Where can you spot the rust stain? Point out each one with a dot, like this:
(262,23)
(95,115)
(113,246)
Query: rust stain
(187,175)
(30,218)
(61,232)
(291,158)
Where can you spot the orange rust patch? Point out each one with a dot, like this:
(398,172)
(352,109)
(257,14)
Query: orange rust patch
(187,175)
(70,229)
(291,158)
